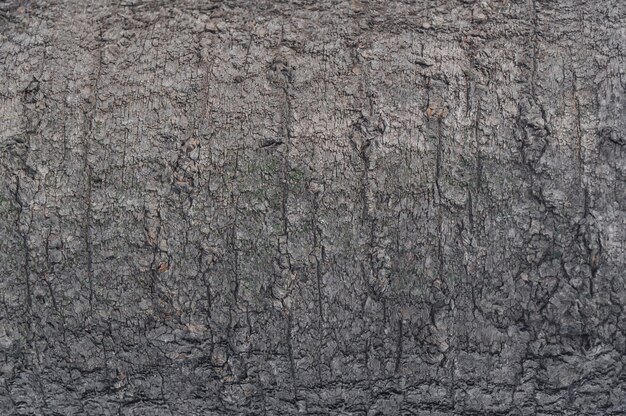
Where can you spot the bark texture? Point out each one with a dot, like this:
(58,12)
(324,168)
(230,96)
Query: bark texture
(312,207)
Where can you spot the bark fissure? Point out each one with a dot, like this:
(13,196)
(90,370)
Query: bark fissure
(88,137)
(283,207)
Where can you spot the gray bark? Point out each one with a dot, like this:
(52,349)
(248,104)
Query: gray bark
(312,207)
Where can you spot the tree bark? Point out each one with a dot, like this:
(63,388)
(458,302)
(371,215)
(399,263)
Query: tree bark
(312,207)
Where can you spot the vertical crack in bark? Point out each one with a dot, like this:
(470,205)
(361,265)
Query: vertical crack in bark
(440,247)
(286,167)
(579,143)
(389,236)
(534,21)
(152,229)
(479,159)
(45,276)
(453,385)
(88,136)
(25,245)
(32,122)
(292,363)
(283,75)
(399,346)
(124,147)
(439,161)
(318,251)
(88,224)
(235,264)
(592,242)
(209,301)
(439,201)
(233,236)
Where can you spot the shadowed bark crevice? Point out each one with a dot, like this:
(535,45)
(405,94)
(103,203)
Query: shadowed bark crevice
(283,207)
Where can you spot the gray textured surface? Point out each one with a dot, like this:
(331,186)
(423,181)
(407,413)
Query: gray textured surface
(333,207)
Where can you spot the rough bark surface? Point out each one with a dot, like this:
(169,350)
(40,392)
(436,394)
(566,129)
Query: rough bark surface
(312,207)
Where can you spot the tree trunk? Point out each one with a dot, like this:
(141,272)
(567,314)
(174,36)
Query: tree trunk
(312,207)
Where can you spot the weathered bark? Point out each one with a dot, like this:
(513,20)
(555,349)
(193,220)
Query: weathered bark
(317,207)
